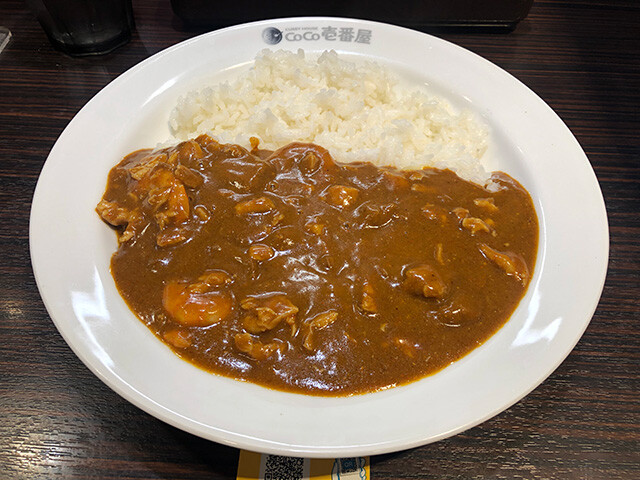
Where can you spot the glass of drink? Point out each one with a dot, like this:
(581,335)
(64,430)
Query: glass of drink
(85,27)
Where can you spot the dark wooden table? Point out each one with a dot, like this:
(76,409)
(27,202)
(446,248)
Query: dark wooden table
(58,421)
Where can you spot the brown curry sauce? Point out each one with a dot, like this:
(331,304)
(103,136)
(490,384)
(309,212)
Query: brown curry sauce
(299,273)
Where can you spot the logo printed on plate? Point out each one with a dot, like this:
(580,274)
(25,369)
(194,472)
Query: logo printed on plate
(273,36)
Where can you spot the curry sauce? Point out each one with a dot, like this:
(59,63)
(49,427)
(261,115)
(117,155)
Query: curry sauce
(296,272)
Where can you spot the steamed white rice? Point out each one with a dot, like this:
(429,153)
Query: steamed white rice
(358,111)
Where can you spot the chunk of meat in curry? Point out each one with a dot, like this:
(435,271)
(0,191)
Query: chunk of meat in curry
(296,272)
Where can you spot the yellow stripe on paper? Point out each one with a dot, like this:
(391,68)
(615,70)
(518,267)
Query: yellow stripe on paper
(248,465)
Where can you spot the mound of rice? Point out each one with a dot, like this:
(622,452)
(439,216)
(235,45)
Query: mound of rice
(359,112)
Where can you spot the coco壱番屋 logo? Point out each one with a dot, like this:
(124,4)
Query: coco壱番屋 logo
(329,33)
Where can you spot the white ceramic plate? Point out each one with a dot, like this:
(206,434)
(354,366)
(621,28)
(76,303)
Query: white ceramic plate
(71,248)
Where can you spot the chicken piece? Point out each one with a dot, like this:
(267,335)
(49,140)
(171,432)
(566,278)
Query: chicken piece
(310,163)
(215,278)
(255,348)
(202,213)
(195,309)
(114,214)
(207,142)
(371,215)
(475,225)
(424,280)
(342,196)
(245,173)
(487,203)
(460,213)
(254,205)
(148,163)
(430,211)
(261,252)
(314,228)
(433,212)
(119,216)
(189,177)
(235,151)
(395,180)
(367,302)
(190,149)
(166,194)
(176,209)
(267,314)
(170,237)
(277,218)
(249,303)
(178,338)
(455,314)
(173,158)
(512,263)
(209,280)
(318,322)
(128,233)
